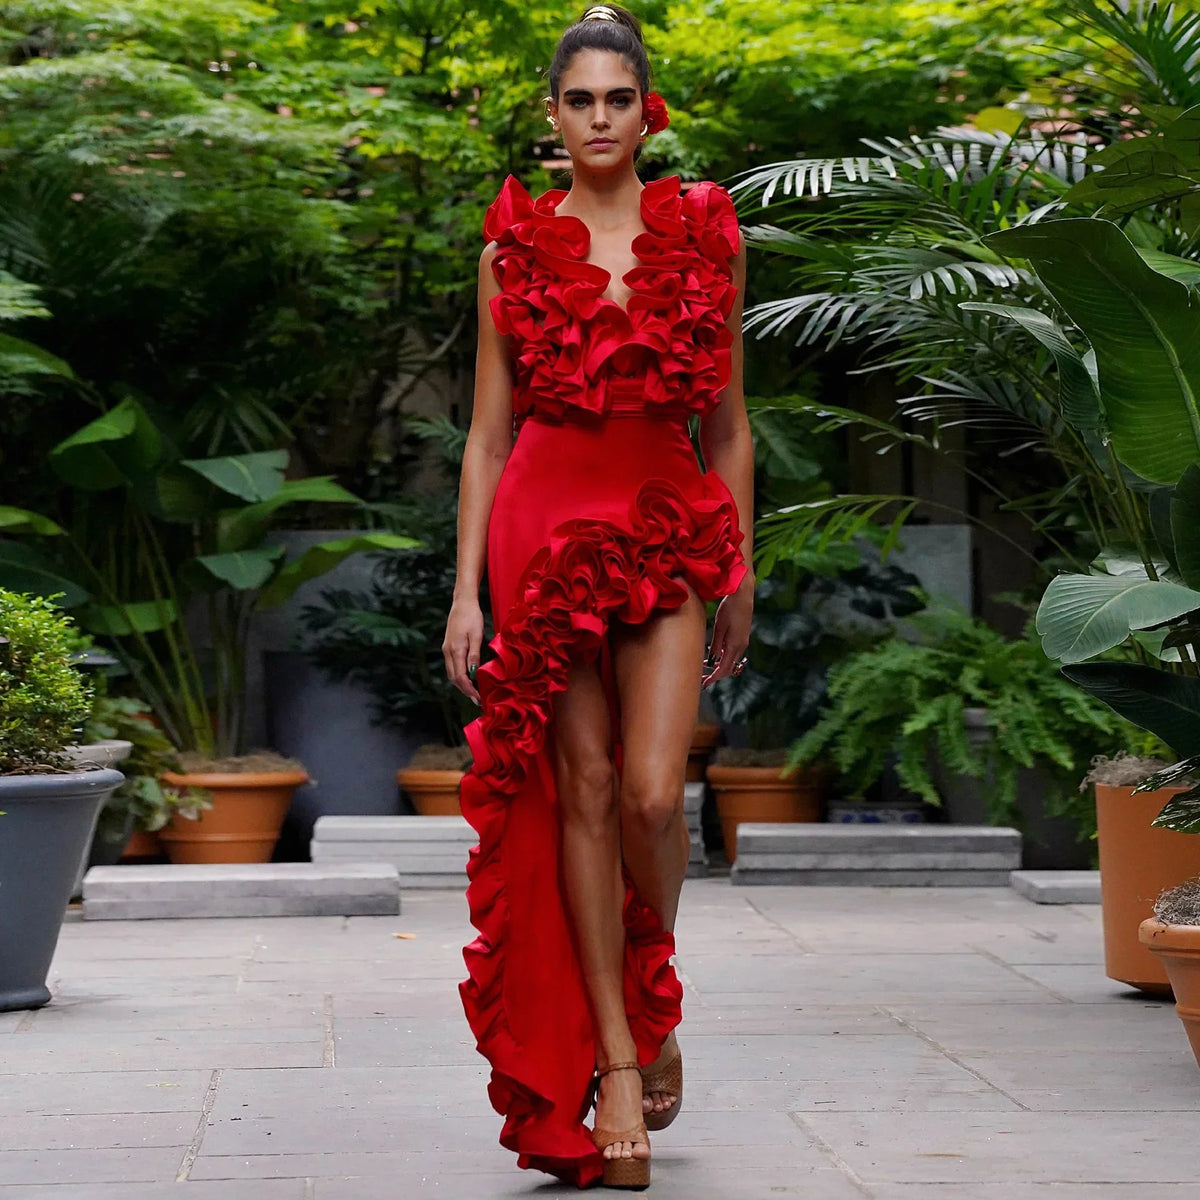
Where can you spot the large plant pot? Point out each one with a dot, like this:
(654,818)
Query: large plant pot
(1177,948)
(1048,842)
(761,794)
(244,822)
(434,793)
(46,822)
(1137,863)
(704,742)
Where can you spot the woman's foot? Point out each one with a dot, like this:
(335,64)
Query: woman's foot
(661,1102)
(618,1106)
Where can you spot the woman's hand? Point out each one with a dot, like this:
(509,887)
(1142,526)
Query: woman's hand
(462,644)
(731,631)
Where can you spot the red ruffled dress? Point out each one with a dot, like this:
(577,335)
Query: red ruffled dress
(600,512)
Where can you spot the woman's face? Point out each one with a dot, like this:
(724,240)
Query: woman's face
(599,110)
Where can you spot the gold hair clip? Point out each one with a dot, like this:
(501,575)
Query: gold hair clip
(599,12)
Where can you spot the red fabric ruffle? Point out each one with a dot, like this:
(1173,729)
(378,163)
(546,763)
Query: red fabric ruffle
(590,573)
(672,340)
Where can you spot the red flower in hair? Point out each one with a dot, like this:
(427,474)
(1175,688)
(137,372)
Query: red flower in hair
(654,113)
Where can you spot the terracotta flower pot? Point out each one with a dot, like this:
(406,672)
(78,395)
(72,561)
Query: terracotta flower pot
(704,742)
(434,793)
(761,794)
(1137,862)
(244,822)
(142,844)
(1177,947)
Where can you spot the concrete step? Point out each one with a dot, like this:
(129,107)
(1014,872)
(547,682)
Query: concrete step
(1057,887)
(152,890)
(453,830)
(900,855)
(426,852)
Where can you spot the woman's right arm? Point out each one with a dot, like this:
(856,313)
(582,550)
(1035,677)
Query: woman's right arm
(489,443)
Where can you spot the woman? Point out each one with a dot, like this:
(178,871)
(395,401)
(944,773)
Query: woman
(608,314)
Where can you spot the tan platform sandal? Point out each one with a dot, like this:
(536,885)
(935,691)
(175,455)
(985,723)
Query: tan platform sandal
(668,1078)
(631,1173)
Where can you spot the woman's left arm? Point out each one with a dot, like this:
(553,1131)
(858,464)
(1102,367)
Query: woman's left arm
(728,449)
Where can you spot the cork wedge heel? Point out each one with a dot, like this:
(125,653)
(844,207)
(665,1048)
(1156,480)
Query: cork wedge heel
(668,1078)
(631,1173)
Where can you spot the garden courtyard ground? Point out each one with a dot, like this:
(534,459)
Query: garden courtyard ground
(840,1042)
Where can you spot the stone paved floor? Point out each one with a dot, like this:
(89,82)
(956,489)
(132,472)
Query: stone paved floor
(896,1043)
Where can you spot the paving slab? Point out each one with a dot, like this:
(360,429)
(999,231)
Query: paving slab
(850,1042)
(1018,1147)
(1057,887)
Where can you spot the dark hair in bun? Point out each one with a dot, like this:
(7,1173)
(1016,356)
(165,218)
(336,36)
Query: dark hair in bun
(623,36)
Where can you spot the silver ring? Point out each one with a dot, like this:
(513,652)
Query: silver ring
(737,670)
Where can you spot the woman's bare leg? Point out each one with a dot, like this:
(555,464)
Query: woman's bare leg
(591,853)
(658,667)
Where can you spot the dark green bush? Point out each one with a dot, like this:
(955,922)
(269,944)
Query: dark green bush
(43,698)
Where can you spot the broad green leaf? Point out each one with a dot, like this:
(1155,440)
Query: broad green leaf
(1139,171)
(1079,394)
(119,620)
(114,449)
(242,569)
(19,357)
(179,496)
(1185,270)
(1154,642)
(241,528)
(20,520)
(1185,525)
(316,560)
(1081,616)
(24,569)
(1143,327)
(1167,705)
(250,477)
(1181,813)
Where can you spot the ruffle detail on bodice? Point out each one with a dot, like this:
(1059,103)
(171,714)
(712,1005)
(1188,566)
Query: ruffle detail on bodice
(589,573)
(574,350)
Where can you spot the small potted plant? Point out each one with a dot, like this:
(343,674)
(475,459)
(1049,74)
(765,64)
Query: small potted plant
(141,804)
(809,613)
(388,638)
(48,807)
(1173,935)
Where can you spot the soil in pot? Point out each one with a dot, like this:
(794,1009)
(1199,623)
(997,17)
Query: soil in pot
(1173,935)
(250,795)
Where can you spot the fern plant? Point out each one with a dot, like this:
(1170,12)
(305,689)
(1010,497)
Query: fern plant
(908,699)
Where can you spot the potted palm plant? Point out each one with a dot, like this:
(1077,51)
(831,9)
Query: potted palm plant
(48,806)
(195,562)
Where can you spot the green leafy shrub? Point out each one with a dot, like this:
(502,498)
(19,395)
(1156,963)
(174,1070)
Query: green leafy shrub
(908,698)
(43,698)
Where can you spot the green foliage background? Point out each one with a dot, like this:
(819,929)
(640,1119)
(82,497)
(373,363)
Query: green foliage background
(263,219)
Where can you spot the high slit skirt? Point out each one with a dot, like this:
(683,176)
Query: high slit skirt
(590,523)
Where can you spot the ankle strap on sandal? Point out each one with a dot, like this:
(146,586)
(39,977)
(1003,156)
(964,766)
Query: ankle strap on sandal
(621,1066)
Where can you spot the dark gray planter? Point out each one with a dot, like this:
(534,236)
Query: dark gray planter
(1049,843)
(45,824)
